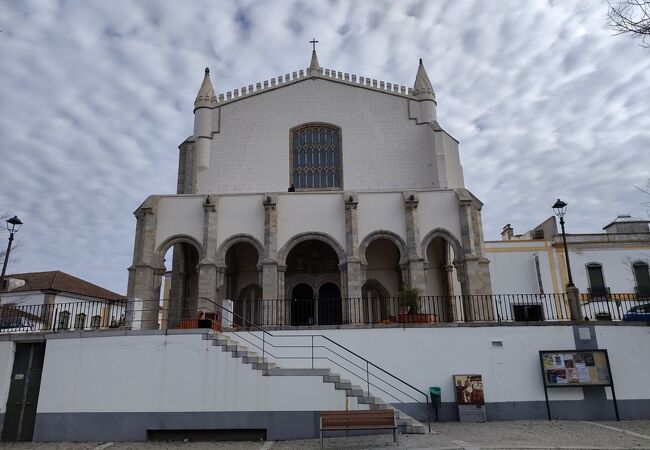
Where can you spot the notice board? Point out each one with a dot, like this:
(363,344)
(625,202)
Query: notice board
(575,368)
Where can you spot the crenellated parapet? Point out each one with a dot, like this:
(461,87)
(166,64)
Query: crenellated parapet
(297,76)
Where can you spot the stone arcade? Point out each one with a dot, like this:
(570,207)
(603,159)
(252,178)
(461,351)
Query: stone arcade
(376,201)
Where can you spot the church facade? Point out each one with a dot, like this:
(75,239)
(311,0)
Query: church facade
(327,189)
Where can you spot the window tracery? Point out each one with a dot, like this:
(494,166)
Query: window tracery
(316,157)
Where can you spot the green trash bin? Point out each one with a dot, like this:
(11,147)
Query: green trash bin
(436,398)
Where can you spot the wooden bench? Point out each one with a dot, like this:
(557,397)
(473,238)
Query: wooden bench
(375,419)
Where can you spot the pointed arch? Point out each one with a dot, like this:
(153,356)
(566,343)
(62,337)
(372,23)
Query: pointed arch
(383,234)
(459,255)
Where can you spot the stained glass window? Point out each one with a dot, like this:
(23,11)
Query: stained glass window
(316,157)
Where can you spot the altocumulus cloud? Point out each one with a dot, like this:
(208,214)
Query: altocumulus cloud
(96,96)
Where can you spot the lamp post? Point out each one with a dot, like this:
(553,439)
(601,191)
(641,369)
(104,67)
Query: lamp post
(560,210)
(572,292)
(13,225)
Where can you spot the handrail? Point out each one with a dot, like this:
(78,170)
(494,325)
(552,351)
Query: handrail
(367,362)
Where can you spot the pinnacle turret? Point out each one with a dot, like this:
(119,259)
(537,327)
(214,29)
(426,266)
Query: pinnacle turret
(314,65)
(422,87)
(205,97)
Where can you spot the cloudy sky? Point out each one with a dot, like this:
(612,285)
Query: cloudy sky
(95,96)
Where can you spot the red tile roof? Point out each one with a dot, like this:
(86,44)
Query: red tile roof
(62,282)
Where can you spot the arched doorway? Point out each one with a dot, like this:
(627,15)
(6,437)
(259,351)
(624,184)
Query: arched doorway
(302,305)
(377,302)
(312,263)
(384,280)
(242,283)
(329,305)
(179,284)
(441,279)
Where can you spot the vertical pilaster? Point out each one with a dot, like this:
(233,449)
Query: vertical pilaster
(269,265)
(270,257)
(414,252)
(144,289)
(351,277)
(473,270)
(207,264)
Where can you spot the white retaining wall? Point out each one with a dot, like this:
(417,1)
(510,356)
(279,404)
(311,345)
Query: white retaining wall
(427,357)
(173,373)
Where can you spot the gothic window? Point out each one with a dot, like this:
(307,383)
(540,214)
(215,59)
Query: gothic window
(316,157)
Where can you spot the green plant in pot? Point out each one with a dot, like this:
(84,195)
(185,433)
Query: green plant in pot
(409,297)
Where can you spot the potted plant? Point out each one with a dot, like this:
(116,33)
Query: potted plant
(409,300)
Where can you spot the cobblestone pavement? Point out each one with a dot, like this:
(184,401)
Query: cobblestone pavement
(451,435)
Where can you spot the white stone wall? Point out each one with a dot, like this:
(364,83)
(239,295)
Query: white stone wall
(322,212)
(23,298)
(430,356)
(240,214)
(512,265)
(304,212)
(166,373)
(381,211)
(7,349)
(616,263)
(185,373)
(381,147)
(180,215)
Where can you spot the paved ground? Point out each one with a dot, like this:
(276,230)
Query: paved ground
(452,435)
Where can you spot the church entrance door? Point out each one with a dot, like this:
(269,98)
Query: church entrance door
(329,305)
(302,305)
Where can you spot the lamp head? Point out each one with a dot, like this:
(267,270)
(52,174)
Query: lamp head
(560,208)
(13,224)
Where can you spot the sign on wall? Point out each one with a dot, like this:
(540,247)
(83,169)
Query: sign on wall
(575,368)
(469,389)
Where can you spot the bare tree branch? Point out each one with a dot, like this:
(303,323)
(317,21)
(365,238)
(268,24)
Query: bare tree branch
(631,17)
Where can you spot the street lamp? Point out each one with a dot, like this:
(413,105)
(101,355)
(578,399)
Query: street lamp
(13,225)
(560,210)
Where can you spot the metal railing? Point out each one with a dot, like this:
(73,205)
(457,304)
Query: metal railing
(81,315)
(292,349)
(613,307)
(314,312)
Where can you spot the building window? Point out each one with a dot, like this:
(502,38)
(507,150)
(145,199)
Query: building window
(597,288)
(95,322)
(64,320)
(316,157)
(528,313)
(642,277)
(80,321)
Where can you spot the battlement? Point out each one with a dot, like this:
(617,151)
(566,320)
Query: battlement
(295,76)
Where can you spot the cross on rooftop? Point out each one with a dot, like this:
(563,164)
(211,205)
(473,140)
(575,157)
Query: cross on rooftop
(314,42)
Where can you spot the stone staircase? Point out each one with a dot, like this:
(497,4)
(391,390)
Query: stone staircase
(356,394)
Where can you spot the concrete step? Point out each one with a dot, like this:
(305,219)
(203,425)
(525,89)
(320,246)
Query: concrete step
(342,385)
(220,340)
(264,366)
(234,347)
(354,391)
(414,429)
(367,400)
(244,354)
(332,378)
(279,371)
